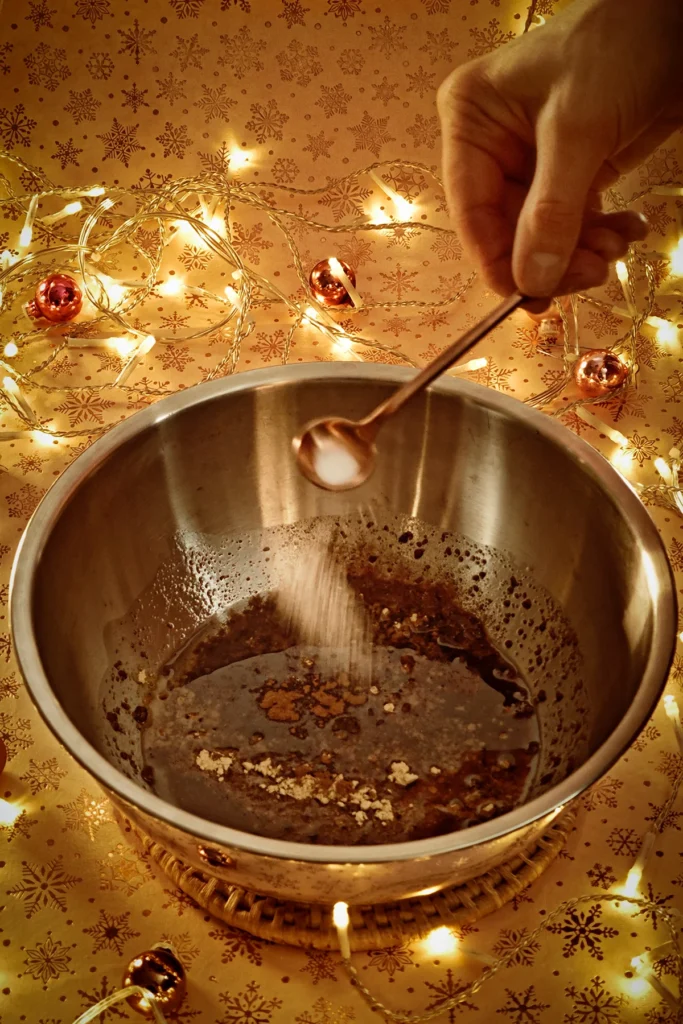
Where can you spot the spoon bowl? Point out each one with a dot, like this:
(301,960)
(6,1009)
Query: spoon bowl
(336,454)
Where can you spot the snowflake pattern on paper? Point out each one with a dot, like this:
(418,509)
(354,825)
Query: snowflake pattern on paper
(241,54)
(86,814)
(47,960)
(15,126)
(214,103)
(43,775)
(47,66)
(249,1006)
(22,503)
(111,931)
(43,885)
(371,133)
(267,121)
(445,990)
(236,944)
(120,142)
(82,106)
(137,42)
(584,929)
(299,63)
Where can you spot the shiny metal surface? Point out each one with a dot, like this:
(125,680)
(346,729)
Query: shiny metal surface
(358,438)
(216,459)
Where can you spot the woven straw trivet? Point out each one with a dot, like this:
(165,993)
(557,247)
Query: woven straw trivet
(372,927)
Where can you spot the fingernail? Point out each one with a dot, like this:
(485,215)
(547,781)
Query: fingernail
(543,272)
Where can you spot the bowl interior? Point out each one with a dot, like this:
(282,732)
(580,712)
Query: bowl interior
(160,527)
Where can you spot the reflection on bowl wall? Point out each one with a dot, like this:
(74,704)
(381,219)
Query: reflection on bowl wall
(113,569)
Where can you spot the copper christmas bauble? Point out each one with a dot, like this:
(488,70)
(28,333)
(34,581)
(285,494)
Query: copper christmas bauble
(159,971)
(598,372)
(58,298)
(3,755)
(327,287)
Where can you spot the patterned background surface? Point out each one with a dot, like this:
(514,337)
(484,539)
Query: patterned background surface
(104,90)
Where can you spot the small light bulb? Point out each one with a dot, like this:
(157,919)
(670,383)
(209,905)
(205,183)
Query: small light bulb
(378,216)
(664,470)
(404,208)
(172,286)
(676,260)
(311,312)
(116,292)
(8,812)
(667,333)
(9,384)
(25,236)
(632,884)
(441,941)
(146,345)
(238,158)
(637,986)
(340,915)
(73,207)
(343,343)
(218,224)
(11,349)
(122,346)
(43,437)
(98,190)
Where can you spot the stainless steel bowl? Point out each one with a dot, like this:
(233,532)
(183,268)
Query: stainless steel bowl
(215,461)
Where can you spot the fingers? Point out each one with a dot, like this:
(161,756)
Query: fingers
(586,269)
(475,172)
(551,220)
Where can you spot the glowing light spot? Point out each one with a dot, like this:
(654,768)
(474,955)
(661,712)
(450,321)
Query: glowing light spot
(378,216)
(43,437)
(667,333)
(636,986)
(664,470)
(9,384)
(10,349)
(676,260)
(404,208)
(441,941)
(122,346)
(75,207)
(8,812)
(25,236)
(340,915)
(146,345)
(343,343)
(171,286)
(239,158)
(115,293)
(98,190)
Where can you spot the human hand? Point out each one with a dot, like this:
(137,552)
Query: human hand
(533,132)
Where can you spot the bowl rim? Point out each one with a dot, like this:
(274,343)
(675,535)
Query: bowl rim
(655,561)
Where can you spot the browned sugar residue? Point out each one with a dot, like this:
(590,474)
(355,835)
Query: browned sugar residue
(328,759)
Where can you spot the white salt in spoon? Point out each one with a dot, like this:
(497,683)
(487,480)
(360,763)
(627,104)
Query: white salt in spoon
(339,454)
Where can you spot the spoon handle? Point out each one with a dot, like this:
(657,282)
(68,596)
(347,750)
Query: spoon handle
(441,363)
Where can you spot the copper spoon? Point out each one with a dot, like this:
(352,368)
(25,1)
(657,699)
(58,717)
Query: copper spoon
(339,454)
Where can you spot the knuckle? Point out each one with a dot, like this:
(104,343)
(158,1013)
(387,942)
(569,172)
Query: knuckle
(459,85)
(554,215)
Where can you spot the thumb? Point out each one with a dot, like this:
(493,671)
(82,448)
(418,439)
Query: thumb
(550,222)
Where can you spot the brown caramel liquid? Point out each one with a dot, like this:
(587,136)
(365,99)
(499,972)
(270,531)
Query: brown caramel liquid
(245,728)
